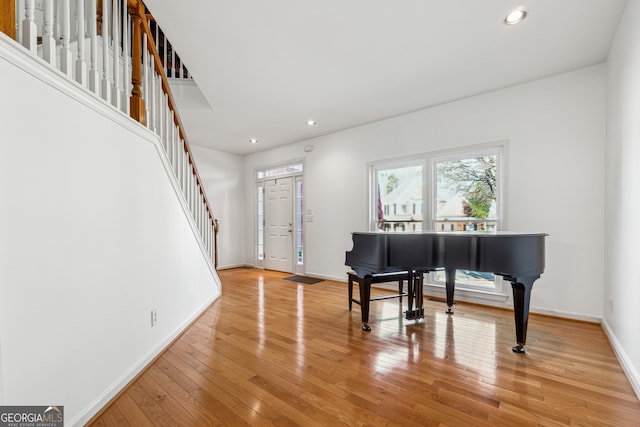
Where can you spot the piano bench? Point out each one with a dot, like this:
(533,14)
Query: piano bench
(379,278)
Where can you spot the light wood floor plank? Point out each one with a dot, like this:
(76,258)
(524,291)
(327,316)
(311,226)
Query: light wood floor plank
(272,352)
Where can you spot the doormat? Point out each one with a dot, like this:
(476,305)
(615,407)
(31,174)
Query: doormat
(303,279)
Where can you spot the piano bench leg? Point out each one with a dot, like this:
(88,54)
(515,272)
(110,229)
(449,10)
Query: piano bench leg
(350,291)
(366,327)
(449,310)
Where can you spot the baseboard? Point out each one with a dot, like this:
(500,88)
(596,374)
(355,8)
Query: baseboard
(103,401)
(326,277)
(627,366)
(230,266)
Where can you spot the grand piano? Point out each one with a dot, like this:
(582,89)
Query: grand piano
(517,257)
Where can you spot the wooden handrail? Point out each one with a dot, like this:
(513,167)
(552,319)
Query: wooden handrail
(8,18)
(137,8)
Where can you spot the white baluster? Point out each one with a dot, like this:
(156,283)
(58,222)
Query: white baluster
(106,79)
(20,13)
(167,123)
(208,236)
(172,137)
(116,98)
(165,120)
(145,80)
(189,192)
(182,174)
(159,106)
(193,193)
(94,74)
(81,65)
(126,78)
(29,29)
(48,42)
(196,204)
(190,188)
(178,164)
(176,153)
(57,21)
(185,177)
(152,94)
(201,215)
(65,52)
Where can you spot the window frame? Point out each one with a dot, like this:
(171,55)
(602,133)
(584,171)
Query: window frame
(464,291)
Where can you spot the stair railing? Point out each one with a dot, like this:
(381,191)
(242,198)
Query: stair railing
(161,115)
(108,47)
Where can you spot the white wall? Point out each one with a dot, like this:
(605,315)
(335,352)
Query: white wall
(556,133)
(92,238)
(622,284)
(222,176)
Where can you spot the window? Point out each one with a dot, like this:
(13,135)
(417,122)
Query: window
(466,199)
(291,169)
(260,201)
(397,188)
(461,190)
(299,221)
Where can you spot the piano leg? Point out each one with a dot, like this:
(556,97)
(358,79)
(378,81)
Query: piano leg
(521,297)
(450,280)
(365,297)
(410,293)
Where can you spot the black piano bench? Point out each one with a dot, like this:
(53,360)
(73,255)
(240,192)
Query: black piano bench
(376,278)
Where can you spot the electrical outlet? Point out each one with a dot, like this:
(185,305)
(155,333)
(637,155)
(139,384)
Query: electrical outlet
(154,318)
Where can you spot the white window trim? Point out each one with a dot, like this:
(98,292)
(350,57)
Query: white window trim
(498,295)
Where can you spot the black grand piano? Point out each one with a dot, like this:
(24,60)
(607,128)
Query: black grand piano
(517,257)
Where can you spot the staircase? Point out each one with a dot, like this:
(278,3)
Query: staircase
(116,50)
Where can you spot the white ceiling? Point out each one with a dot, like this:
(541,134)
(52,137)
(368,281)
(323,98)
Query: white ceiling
(265,67)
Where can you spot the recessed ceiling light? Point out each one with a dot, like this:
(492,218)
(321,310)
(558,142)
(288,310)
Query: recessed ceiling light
(310,122)
(516,16)
(253,141)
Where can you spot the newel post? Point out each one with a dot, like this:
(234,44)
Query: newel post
(98,17)
(8,18)
(136,102)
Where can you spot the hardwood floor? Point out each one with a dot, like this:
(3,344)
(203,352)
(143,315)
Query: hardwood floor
(274,352)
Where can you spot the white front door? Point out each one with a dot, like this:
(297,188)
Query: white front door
(278,216)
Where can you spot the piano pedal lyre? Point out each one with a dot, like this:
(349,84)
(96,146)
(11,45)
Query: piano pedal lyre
(414,314)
